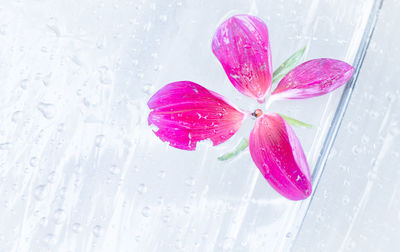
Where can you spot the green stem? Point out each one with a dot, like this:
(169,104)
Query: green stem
(295,122)
(244,143)
(288,65)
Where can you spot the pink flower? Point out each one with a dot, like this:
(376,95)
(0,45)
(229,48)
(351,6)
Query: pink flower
(186,113)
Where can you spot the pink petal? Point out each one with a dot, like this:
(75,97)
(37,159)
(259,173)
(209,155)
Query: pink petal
(241,44)
(277,153)
(186,113)
(313,78)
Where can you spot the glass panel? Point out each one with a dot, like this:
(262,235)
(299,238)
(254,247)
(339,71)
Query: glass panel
(81,169)
(356,206)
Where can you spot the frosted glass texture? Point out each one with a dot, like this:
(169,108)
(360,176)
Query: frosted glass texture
(356,206)
(80,168)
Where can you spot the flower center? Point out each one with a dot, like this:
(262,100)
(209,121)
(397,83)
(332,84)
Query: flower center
(257,113)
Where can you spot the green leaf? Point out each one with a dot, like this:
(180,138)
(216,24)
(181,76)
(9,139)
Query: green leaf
(295,122)
(288,65)
(244,143)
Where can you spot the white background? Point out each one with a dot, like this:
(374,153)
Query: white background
(82,171)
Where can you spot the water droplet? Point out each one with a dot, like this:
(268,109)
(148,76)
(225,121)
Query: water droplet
(365,139)
(98,231)
(53,26)
(115,170)
(352,245)
(288,235)
(374,114)
(346,200)
(394,128)
(146,211)
(16,116)
(356,149)
(157,67)
(154,128)
(61,127)
(148,89)
(190,181)
(50,239)
(142,189)
(161,174)
(186,209)
(351,127)
(372,175)
(140,75)
(147,26)
(390,96)
(46,79)
(24,83)
(160,200)
(44,221)
(178,244)
(3,29)
(76,227)
(105,75)
(59,216)
(40,192)
(228,244)
(34,161)
(99,141)
(5,146)
(51,177)
(325,194)
(48,110)
(166,218)
(101,43)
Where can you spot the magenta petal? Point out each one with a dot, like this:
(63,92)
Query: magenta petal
(186,113)
(313,78)
(277,152)
(241,44)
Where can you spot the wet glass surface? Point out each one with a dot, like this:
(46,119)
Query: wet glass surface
(82,171)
